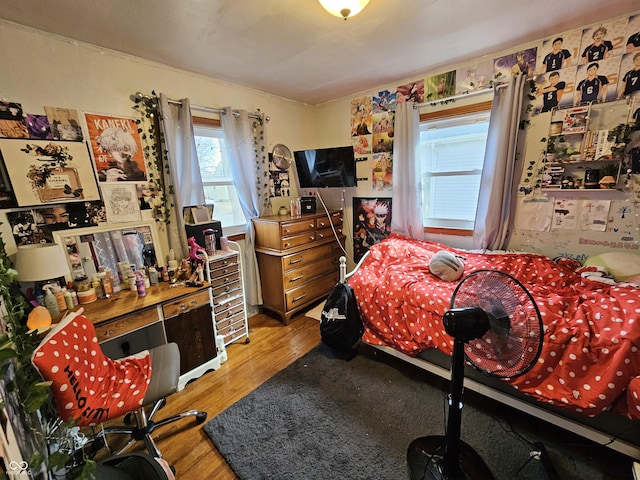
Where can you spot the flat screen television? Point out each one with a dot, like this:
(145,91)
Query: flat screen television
(326,167)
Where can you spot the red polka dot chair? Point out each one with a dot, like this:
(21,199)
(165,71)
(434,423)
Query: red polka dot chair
(92,388)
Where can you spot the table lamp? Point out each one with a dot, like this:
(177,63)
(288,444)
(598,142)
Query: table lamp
(40,263)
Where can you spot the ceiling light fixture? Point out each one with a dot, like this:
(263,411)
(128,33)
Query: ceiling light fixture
(343,8)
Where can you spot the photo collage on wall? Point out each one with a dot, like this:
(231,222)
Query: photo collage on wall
(597,64)
(593,64)
(68,169)
(279,182)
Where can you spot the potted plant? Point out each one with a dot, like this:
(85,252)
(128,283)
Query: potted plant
(554,147)
(620,137)
(609,175)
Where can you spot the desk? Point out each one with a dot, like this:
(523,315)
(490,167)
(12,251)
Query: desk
(126,323)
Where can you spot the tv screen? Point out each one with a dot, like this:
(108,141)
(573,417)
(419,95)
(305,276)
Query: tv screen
(326,167)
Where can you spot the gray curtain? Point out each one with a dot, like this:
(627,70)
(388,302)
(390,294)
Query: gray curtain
(494,200)
(246,144)
(184,169)
(406,216)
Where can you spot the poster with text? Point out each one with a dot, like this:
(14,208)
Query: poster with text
(116,148)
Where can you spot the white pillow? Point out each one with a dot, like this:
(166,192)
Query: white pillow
(621,265)
(446,266)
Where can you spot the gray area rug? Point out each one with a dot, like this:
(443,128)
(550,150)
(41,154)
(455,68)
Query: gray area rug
(326,418)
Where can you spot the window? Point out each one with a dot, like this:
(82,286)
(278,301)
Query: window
(216,175)
(451,156)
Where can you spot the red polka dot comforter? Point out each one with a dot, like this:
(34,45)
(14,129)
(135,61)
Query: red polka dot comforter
(589,361)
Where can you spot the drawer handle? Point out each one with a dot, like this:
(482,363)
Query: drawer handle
(312,237)
(320,235)
(287,245)
(311,225)
(295,279)
(286,230)
(293,262)
(295,299)
(322,224)
(108,333)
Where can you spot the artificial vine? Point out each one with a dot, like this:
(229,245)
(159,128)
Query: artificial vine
(148,119)
(260,153)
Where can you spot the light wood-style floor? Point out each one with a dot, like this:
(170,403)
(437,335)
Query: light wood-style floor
(273,346)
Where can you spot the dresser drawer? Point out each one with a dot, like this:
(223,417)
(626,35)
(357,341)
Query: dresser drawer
(296,260)
(326,233)
(226,261)
(228,308)
(227,293)
(297,240)
(225,278)
(185,304)
(291,228)
(221,271)
(234,321)
(298,276)
(310,291)
(123,325)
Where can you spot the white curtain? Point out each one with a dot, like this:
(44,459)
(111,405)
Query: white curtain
(494,200)
(245,140)
(406,216)
(184,169)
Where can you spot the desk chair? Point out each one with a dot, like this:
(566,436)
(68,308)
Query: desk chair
(92,388)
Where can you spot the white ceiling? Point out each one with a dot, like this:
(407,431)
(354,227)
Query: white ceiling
(294,49)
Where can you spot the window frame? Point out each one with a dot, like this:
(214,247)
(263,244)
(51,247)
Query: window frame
(216,123)
(447,113)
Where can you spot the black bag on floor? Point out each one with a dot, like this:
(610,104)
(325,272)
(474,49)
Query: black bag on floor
(340,325)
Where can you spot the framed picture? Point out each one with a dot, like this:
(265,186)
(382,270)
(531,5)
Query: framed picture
(371,223)
(49,171)
(201,214)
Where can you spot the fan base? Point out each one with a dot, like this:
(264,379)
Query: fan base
(425,457)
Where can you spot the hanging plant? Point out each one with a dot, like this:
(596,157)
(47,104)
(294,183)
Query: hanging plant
(148,119)
(259,150)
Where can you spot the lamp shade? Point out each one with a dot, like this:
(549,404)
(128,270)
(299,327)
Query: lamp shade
(343,8)
(40,262)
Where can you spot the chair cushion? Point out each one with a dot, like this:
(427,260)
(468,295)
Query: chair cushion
(87,385)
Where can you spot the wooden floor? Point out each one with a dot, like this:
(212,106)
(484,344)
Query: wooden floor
(273,346)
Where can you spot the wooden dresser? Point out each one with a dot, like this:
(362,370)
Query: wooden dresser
(298,259)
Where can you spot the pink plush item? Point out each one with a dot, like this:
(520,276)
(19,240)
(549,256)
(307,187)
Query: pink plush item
(87,385)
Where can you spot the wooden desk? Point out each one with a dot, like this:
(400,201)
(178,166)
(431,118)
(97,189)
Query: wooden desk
(126,323)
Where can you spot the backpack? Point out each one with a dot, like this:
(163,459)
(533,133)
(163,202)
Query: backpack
(340,324)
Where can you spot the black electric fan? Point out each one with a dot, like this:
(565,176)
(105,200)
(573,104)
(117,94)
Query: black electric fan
(496,324)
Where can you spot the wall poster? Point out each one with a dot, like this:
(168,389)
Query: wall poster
(117,148)
(49,171)
(371,223)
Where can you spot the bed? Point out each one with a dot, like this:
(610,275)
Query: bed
(587,378)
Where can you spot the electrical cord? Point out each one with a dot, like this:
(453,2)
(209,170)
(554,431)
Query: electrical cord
(333,228)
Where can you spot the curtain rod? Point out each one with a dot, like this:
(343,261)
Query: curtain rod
(199,108)
(472,93)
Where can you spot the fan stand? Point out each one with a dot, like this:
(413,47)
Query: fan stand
(448,457)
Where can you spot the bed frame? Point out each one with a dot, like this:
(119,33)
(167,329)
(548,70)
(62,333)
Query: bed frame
(608,429)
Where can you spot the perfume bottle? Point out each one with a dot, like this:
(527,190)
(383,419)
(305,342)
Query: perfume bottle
(63,182)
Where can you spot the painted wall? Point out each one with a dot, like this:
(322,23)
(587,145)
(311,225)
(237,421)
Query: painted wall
(43,69)
(333,127)
(40,69)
